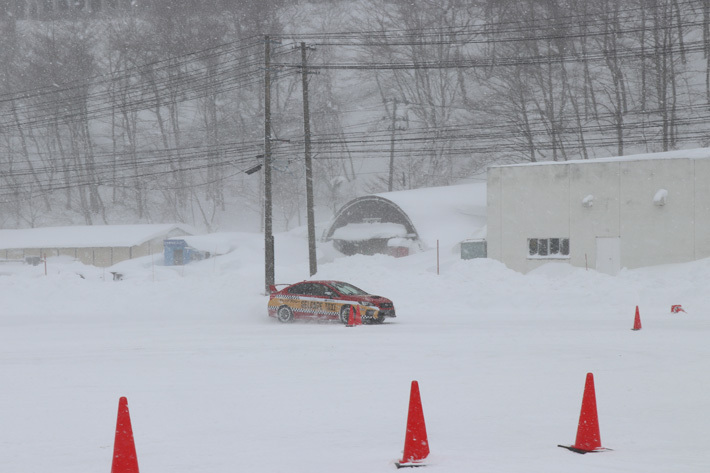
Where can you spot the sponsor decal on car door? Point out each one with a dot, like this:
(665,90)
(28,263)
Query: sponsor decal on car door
(318,306)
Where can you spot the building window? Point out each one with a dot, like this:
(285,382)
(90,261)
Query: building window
(543,245)
(548,248)
(532,244)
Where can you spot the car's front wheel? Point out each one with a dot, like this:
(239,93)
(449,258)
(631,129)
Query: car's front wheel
(284,314)
(345,314)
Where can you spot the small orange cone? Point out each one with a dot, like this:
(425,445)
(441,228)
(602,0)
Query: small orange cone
(124,449)
(676,308)
(588,437)
(637,320)
(416,445)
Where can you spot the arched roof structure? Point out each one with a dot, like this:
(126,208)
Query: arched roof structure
(371,209)
(424,216)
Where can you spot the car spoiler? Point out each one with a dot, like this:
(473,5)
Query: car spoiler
(273,287)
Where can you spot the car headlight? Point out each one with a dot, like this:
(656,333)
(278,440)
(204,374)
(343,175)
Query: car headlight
(368,304)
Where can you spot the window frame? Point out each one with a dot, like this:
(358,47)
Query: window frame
(550,248)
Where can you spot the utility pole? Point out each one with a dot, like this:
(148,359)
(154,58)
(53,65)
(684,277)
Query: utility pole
(313,264)
(394,119)
(268,227)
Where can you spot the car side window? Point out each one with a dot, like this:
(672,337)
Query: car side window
(298,289)
(308,289)
(318,290)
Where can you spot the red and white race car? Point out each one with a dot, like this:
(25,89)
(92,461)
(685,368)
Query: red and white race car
(327,300)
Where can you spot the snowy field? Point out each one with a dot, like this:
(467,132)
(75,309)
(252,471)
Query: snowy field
(216,386)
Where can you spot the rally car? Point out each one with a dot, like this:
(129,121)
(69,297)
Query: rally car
(327,300)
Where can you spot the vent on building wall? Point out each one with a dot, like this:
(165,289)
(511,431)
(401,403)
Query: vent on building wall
(660,198)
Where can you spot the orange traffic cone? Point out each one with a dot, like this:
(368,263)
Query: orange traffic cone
(637,320)
(124,450)
(351,317)
(358,315)
(416,445)
(588,437)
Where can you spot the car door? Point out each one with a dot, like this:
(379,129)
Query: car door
(332,302)
(317,299)
(308,303)
(297,296)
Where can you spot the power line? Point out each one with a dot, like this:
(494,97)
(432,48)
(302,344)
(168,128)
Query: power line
(151,85)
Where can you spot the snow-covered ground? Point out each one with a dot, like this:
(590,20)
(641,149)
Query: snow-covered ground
(215,386)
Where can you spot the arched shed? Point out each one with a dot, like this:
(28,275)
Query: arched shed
(401,222)
(367,224)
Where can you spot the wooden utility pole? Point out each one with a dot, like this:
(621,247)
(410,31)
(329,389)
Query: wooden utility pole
(268,226)
(394,120)
(313,264)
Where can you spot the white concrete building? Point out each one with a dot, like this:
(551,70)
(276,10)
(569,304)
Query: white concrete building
(605,214)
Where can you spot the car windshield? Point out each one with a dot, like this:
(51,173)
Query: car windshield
(348,289)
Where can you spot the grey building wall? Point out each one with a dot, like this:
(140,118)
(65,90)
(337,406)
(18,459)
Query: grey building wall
(600,203)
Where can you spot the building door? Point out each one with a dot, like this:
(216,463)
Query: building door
(178,257)
(609,255)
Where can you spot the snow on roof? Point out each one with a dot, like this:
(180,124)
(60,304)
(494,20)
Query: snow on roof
(448,214)
(86,236)
(697,153)
(368,231)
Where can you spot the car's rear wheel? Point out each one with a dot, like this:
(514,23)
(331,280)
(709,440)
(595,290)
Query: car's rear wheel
(345,314)
(284,314)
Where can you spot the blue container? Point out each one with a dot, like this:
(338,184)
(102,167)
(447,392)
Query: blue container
(176,252)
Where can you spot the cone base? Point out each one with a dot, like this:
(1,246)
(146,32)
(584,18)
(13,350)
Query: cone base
(582,451)
(409,464)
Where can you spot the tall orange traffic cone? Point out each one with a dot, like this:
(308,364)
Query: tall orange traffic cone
(358,315)
(637,320)
(124,449)
(351,317)
(416,445)
(588,437)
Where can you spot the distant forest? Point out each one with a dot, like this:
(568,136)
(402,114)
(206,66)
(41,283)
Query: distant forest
(119,111)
